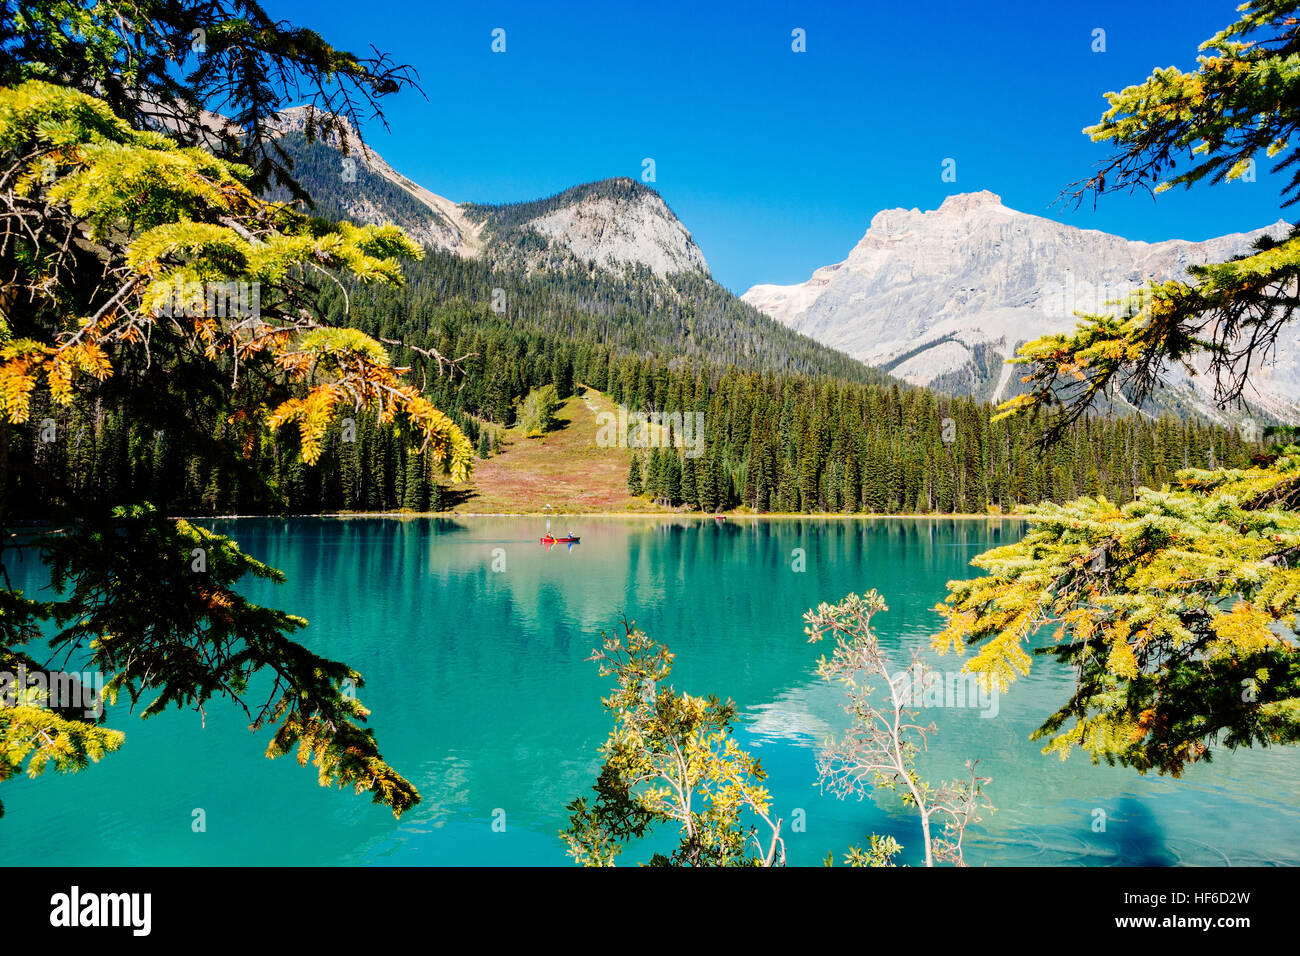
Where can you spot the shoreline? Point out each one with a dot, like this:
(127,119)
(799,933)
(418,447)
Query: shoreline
(782,516)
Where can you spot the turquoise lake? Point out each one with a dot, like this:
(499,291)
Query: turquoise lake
(482,696)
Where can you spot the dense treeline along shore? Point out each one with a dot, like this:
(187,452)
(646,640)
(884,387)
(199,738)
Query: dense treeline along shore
(774,440)
(739,515)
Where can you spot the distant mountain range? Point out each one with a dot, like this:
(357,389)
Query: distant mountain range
(938,299)
(942,298)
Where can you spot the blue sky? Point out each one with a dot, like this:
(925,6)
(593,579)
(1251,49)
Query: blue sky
(775,160)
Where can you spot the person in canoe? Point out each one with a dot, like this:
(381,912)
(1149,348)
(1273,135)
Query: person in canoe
(569,538)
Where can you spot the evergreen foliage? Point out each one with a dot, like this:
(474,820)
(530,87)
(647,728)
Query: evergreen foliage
(1177,609)
(773,442)
(144,280)
(173,64)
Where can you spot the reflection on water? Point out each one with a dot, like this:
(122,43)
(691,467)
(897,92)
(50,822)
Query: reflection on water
(482,695)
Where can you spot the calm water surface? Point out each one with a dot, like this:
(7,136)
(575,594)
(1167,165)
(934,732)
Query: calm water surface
(482,697)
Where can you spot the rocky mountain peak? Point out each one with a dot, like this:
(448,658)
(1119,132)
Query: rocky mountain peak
(296,119)
(617,224)
(892,222)
(961,203)
(613,223)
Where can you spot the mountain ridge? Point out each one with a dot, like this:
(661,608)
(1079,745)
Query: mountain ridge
(937,298)
(614,222)
(657,296)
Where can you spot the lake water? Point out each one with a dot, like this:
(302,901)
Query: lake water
(481,695)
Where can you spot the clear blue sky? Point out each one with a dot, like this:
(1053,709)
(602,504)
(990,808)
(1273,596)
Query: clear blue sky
(776,161)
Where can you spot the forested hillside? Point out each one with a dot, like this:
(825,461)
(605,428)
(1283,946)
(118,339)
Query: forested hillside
(686,314)
(774,441)
(790,425)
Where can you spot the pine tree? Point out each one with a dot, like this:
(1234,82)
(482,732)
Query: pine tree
(707,482)
(416,491)
(654,476)
(690,494)
(672,478)
(635,486)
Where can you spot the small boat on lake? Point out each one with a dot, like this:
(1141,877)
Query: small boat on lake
(549,540)
(570,538)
